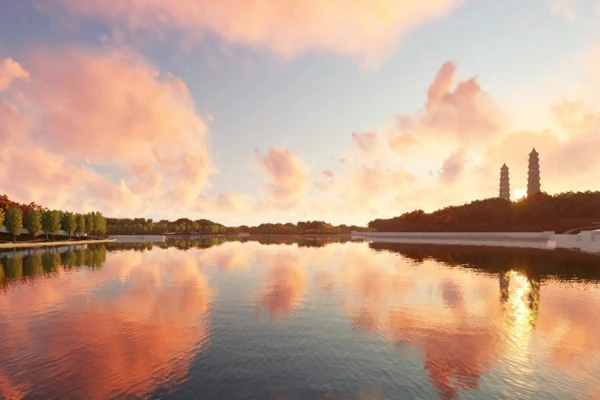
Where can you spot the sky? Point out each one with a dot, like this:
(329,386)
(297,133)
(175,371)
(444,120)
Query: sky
(256,111)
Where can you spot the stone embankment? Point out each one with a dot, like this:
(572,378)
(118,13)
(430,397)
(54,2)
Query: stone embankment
(587,241)
(25,245)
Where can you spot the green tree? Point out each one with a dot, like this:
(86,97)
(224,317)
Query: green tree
(69,223)
(55,218)
(90,222)
(1,217)
(33,222)
(14,222)
(80,226)
(99,223)
(101,227)
(46,222)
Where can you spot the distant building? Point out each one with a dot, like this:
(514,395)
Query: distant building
(533,177)
(504,183)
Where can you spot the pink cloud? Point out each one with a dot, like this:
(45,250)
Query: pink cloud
(366,141)
(575,118)
(10,70)
(402,143)
(366,30)
(466,113)
(453,166)
(326,180)
(13,125)
(115,99)
(54,182)
(82,109)
(463,113)
(286,174)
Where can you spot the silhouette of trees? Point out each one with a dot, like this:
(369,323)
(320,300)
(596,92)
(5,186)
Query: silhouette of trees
(538,212)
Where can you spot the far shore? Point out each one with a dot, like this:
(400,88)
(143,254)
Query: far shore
(22,245)
(183,235)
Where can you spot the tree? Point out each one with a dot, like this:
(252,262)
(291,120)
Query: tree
(80,226)
(1,217)
(14,222)
(46,222)
(69,223)
(101,225)
(33,222)
(89,223)
(55,218)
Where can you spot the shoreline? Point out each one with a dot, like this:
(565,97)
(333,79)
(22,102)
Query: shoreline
(586,242)
(52,244)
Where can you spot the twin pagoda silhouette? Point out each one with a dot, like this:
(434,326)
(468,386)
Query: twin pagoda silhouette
(533,177)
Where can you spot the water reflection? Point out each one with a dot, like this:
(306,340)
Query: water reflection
(285,284)
(129,324)
(413,321)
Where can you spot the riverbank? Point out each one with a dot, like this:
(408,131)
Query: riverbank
(25,245)
(587,241)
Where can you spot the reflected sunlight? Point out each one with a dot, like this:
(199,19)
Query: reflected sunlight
(520,298)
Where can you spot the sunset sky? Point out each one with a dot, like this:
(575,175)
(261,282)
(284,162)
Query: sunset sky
(249,111)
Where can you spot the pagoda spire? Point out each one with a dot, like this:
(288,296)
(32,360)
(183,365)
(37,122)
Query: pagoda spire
(533,175)
(504,183)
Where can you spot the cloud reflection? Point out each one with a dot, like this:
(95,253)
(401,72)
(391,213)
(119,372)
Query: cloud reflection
(133,325)
(85,343)
(286,284)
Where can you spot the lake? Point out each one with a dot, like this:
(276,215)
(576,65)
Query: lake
(298,319)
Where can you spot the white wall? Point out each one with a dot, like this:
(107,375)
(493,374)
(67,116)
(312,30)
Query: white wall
(25,231)
(588,241)
(478,235)
(138,238)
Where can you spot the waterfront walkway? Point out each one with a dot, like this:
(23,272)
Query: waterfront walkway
(21,245)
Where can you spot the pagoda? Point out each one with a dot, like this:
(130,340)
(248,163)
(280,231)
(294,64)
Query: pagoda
(533,177)
(504,183)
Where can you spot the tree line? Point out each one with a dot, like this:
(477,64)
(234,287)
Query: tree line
(185,226)
(38,220)
(51,222)
(539,212)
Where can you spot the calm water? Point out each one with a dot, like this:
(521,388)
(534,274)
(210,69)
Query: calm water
(251,320)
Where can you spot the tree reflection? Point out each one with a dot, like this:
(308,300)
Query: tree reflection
(535,264)
(36,263)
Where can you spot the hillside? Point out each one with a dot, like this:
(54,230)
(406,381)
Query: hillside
(541,212)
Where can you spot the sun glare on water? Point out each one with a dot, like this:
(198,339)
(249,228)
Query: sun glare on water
(519,193)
